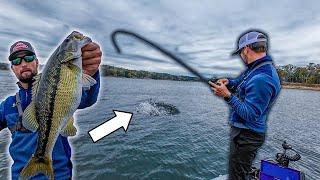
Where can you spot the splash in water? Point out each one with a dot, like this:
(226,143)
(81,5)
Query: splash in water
(154,108)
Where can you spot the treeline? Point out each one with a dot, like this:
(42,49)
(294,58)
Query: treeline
(107,70)
(309,74)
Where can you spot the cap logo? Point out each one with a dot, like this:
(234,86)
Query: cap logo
(19,46)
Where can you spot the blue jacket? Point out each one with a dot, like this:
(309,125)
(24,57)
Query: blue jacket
(24,144)
(255,96)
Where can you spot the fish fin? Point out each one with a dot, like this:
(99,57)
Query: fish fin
(69,129)
(38,165)
(29,119)
(87,81)
(35,84)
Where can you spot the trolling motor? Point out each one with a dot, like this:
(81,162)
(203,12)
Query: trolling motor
(279,169)
(283,159)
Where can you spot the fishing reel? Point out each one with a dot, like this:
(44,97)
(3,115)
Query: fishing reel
(231,89)
(215,80)
(283,159)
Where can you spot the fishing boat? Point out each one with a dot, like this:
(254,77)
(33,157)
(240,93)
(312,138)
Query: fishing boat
(277,169)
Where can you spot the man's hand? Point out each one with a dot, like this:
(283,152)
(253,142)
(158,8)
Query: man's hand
(91,58)
(220,90)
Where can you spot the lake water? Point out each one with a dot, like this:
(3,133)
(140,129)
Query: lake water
(192,144)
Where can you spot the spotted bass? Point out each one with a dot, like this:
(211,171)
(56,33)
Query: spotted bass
(56,95)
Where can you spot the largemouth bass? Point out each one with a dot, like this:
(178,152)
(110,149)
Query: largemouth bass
(56,95)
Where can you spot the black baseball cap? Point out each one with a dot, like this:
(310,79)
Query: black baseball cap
(20,46)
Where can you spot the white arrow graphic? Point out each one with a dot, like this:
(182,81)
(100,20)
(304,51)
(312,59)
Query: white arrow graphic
(122,119)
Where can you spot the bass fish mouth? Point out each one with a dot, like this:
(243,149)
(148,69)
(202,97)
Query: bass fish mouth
(79,36)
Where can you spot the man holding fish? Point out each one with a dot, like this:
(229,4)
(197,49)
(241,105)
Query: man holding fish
(39,116)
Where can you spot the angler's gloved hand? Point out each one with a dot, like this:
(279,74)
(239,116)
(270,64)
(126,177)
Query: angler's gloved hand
(91,58)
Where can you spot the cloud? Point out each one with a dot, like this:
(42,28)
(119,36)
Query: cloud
(203,33)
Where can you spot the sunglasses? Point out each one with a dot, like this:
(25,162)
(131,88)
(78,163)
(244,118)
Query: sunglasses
(27,58)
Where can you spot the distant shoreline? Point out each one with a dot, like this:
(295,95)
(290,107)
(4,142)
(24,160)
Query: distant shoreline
(313,87)
(284,85)
(111,71)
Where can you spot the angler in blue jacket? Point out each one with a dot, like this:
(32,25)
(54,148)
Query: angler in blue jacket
(250,97)
(24,64)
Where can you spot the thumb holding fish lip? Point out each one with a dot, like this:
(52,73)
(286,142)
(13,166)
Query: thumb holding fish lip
(91,58)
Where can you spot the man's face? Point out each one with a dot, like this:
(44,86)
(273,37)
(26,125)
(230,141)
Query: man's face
(244,55)
(26,70)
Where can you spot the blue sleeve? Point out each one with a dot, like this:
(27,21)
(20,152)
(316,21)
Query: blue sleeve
(3,123)
(259,92)
(233,82)
(89,97)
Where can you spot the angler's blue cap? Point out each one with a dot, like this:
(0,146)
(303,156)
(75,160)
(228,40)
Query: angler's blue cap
(249,38)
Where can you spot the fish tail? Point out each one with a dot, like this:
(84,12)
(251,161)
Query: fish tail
(38,165)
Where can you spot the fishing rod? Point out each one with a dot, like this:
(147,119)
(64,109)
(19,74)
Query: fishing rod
(159,48)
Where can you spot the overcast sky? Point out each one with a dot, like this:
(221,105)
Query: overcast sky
(202,32)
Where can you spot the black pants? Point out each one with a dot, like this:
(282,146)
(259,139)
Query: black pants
(244,145)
